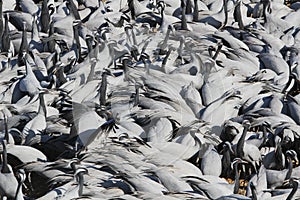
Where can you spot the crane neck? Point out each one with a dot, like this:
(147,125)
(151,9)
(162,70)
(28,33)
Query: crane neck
(294,190)
(137,94)
(183,17)
(45,16)
(237,178)
(1,18)
(131,8)
(238,14)
(42,108)
(103,88)
(290,168)
(6,136)
(24,44)
(5,169)
(241,142)
(196,11)
(253,191)
(19,193)
(5,36)
(278,153)
(73,10)
(1,8)
(225,13)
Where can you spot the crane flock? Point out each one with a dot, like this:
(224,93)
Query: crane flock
(149,99)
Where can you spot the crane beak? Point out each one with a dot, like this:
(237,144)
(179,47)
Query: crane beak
(296,161)
(286,183)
